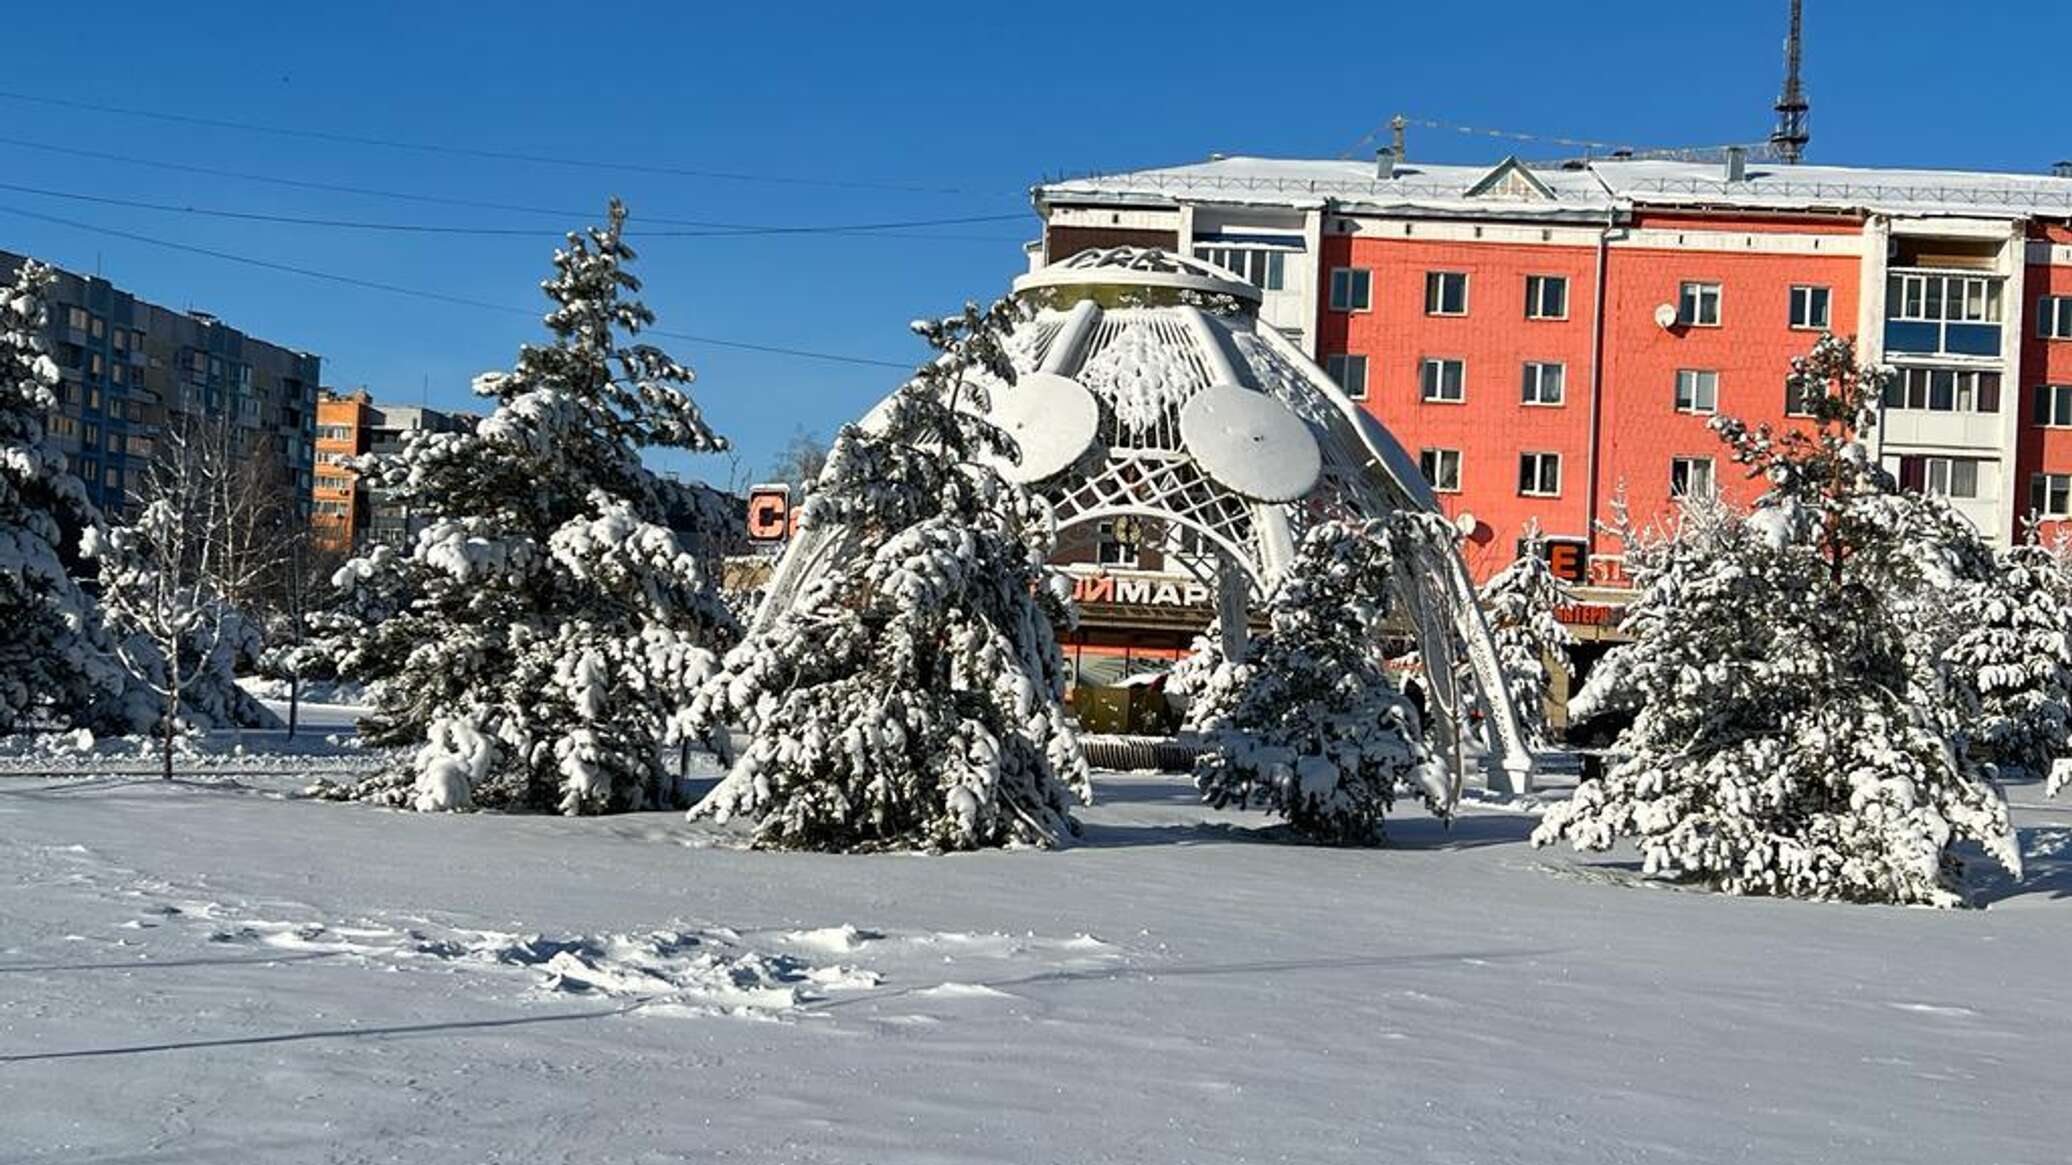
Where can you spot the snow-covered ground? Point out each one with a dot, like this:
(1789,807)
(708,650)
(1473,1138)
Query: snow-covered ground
(215,970)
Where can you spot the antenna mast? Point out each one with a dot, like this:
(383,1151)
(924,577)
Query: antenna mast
(1790,137)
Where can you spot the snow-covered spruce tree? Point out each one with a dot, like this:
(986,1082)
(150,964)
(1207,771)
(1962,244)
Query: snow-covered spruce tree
(1520,601)
(910,697)
(547,625)
(1192,678)
(55,666)
(1786,741)
(2012,662)
(1310,726)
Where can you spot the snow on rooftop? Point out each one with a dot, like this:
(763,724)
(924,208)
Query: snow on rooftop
(1555,190)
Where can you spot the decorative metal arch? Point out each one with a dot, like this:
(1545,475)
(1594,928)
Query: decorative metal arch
(1146,332)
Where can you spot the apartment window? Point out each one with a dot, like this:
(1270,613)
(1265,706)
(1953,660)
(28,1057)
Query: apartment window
(1690,477)
(1697,391)
(76,318)
(1546,297)
(2054,317)
(1115,543)
(1544,383)
(1800,396)
(1443,380)
(1950,477)
(1959,298)
(1944,390)
(1539,474)
(332,481)
(111,477)
(1441,468)
(119,338)
(93,399)
(1446,293)
(64,427)
(334,432)
(1350,373)
(197,361)
(1351,288)
(95,365)
(137,446)
(118,372)
(1809,308)
(2050,494)
(1698,305)
(331,457)
(91,434)
(2054,405)
(1262,267)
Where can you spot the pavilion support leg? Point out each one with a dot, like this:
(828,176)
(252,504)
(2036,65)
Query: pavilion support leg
(1233,588)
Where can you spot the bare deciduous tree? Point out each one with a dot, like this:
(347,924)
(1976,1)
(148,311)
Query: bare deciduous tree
(177,582)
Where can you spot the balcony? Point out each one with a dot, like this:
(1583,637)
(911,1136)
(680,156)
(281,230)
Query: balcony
(1933,313)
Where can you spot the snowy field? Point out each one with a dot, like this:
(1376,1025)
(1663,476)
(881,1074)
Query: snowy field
(216,970)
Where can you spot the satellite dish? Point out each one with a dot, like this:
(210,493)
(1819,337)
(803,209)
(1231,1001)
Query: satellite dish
(1665,316)
(1052,420)
(1464,522)
(1250,443)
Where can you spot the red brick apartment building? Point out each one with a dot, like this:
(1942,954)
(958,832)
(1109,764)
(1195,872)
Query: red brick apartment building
(1547,339)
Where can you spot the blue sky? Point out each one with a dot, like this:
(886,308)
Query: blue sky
(849,113)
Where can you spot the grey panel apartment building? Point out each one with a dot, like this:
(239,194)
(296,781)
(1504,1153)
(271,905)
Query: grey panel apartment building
(128,365)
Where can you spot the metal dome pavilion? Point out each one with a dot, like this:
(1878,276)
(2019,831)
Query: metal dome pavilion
(1147,389)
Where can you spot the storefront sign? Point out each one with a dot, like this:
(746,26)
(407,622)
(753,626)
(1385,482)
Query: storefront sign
(1587,614)
(772,519)
(1139,590)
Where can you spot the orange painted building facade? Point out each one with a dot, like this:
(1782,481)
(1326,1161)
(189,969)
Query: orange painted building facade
(1686,289)
(343,430)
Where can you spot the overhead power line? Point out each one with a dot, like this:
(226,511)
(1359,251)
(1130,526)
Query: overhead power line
(713,231)
(435,296)
(561,215)
(476,152)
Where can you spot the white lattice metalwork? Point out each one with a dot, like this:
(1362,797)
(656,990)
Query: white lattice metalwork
(1144,332)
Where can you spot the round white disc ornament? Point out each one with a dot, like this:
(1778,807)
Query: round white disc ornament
(1052,420)
(1251,443)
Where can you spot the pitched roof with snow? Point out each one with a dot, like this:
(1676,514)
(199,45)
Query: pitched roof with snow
(1514,189)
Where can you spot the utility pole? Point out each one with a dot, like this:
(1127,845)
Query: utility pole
(1790,137)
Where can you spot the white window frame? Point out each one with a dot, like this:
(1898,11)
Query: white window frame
(1435,293)
(1360,278)
(2059,397)
(1947,469)
(1695,293)
(1987,293)
(1339,367)
(2054,317)
(1699,378)
(1263,267)
(1801,312)
(2042,486)
(1915,385)
(1539,488)
(1683,467)
(1536,297)
(1532,389)
(1432,382)
(1433,463)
